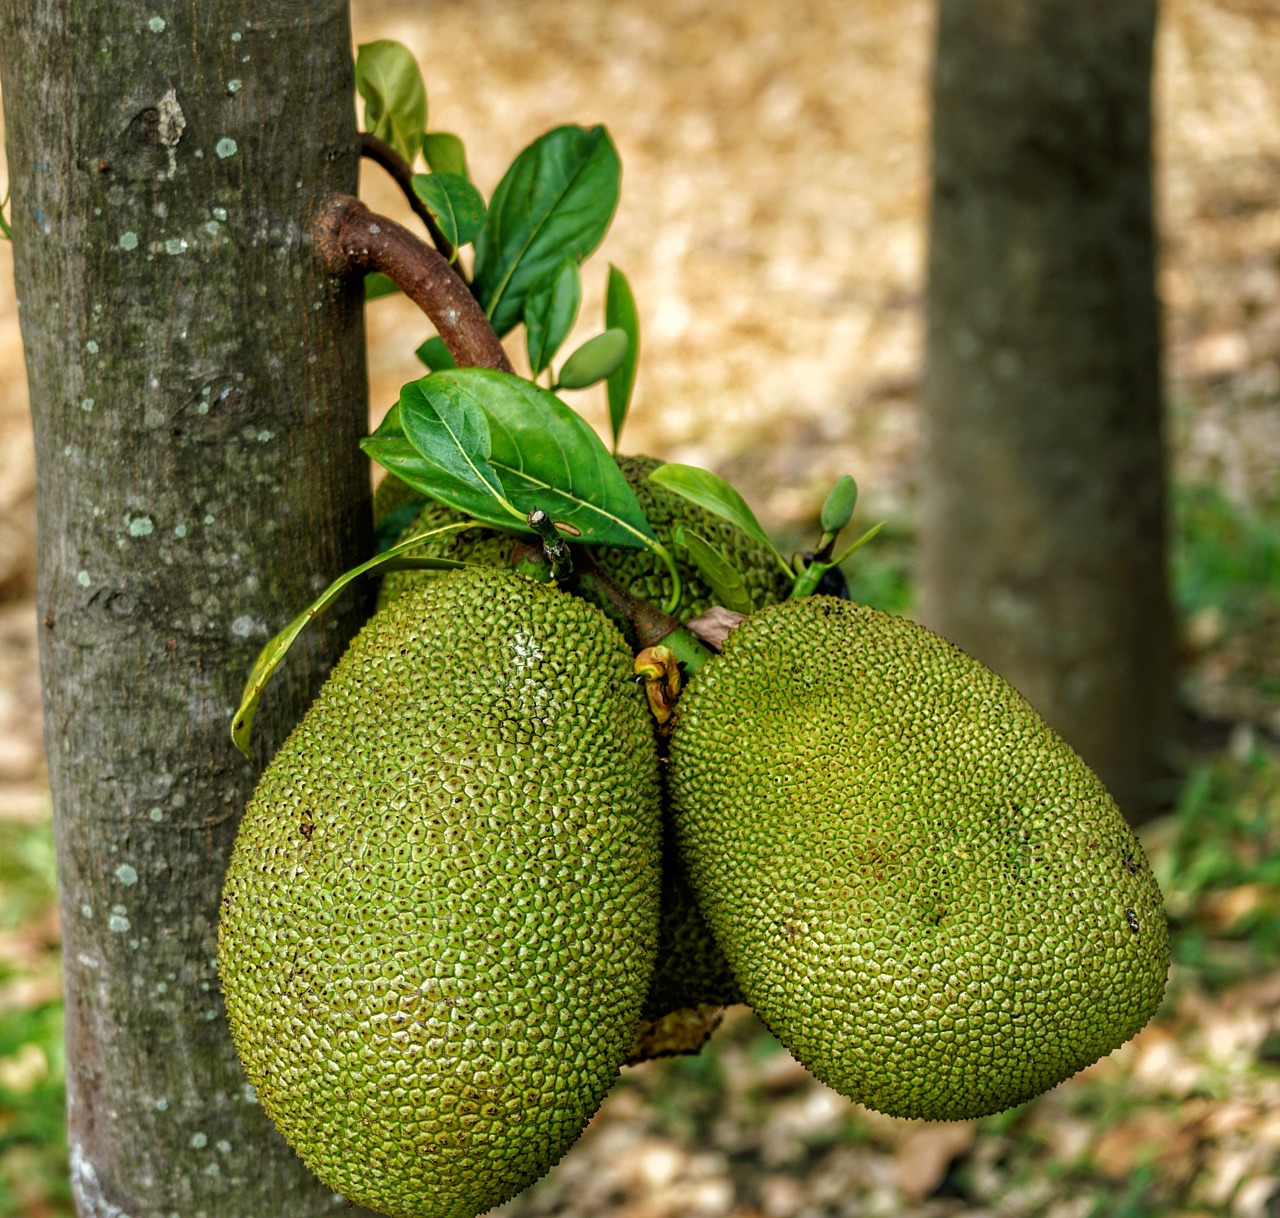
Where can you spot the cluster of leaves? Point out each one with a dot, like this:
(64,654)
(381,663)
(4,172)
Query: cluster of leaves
(506,451)
(548,214)
(495,446)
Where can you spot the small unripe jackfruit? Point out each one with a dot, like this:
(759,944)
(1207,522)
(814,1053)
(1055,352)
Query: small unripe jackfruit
(922,890)
(440,916)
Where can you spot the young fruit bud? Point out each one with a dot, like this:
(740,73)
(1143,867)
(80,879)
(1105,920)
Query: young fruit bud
(597,359)
(841,500)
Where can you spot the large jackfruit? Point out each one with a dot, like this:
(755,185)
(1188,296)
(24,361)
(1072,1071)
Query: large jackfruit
(440,916)
(638,571)
(925,894)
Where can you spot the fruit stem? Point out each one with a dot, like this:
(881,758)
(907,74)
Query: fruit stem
(401,172)
(350,237)
(554,545)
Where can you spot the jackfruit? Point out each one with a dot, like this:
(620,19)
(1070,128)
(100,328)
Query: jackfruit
(923,892)
(640,572)
(390,495)
(440,916)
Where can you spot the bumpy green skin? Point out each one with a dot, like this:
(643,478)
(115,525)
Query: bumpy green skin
(639,571)
(439,920)
(691,969)
(643,574)
(922,890)
(391,493)
(489,547)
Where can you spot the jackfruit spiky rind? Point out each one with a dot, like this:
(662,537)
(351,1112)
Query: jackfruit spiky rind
(439,919)
(922,890)
(643,573)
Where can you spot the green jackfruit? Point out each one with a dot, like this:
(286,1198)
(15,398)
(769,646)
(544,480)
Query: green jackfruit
(638,571)
(926,895)
(440,916)
(391,494)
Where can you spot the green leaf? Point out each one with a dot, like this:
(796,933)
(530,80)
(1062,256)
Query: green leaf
(5,228)
(456,205)
(550,310)
(395,99)
(397,455)
(390,448)
(841,499)
(869,535)
(548,457)
(555,202)
(597,359)
(448,429)
(270,656)
(435,354)
(444,153)
(712,492)
(620,314)
(389,80)
(377,285)
(722,577)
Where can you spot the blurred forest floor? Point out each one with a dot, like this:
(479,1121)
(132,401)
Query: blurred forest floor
(772,225)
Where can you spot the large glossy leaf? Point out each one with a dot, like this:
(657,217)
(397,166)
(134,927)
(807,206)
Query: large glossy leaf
(395,99)
(548,457)
(398,456)
(443,151)
(555,202)
(270,656)
(550,310)
(620,314)
(447,427)
(456,205)
(712,492)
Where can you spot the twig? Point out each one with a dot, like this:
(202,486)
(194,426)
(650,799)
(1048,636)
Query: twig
(351,237)
(382,153)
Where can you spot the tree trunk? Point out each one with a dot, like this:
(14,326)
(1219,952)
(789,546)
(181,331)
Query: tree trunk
(1043,506)
(198,389)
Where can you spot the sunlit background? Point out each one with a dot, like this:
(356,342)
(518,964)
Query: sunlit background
(772,224)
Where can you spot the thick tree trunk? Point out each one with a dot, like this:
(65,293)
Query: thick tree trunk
(198,387)
(1043,512)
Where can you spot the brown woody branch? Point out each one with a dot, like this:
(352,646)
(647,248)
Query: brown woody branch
(350,237)
(401,172)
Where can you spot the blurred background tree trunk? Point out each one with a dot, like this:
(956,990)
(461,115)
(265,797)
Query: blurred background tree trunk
(1043,483)
(198,390)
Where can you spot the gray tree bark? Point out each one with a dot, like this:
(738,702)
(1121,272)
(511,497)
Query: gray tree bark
(198,389)
(1043,503)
